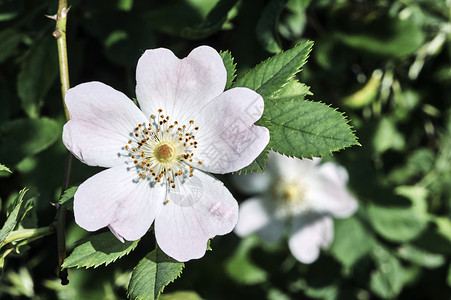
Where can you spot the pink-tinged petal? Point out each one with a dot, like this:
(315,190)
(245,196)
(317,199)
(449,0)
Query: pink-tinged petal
(180,87)
(328,194)
(100,125)
(202,209)
(290,168)
(227,138)
(334,173)
(253,216)
(311,232)
(116,198)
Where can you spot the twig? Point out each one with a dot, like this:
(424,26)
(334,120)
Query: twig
(60,36)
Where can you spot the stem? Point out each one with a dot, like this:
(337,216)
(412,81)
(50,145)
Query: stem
(22,234)
(60,36)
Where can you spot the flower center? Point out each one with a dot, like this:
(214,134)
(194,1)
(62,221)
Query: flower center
(163,151)
(290,196)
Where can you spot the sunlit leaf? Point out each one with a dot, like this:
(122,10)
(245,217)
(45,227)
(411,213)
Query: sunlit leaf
(306,129)
(4,168)
(269,77)
(68,197)
(152,274)
(230,67)
(13,217)
(98,249)
(421,257)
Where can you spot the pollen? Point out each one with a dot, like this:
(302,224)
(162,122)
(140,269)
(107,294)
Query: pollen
(163,151)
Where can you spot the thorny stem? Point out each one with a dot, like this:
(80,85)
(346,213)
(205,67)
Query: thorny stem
(60,36)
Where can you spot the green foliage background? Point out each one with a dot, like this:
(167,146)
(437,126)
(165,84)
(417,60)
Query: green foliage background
(385,63)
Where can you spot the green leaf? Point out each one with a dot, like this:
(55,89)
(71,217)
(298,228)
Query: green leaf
(394,37)
(67,197)
(9,41)
(13,217)
(230,67)
(292,90)
(38,72)
(269,77)
(367,94)
(24,137)
(152,274)
(387,136)
(240,266)
(387,280)
(421,257)
(305,129)
(4,168)
(213,22)
(96,250)
(266,26)
(348,233)
(292,25)
(401,223)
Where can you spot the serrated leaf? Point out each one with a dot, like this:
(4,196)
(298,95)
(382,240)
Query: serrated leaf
(213,22)
(26,137)
(38,71)
(4,168)
(152,274)
(96,250)
(266,26)
(230,67)
(13,217)
(306,129)
(292,90)
(67,197)
(268,77)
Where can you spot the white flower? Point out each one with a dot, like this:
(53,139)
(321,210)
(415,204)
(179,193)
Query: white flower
(301,194)
(157,157)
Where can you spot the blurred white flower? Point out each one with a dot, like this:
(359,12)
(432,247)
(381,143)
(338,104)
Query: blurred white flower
(158,156)
(302,195)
